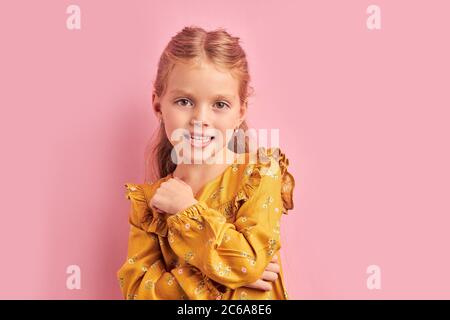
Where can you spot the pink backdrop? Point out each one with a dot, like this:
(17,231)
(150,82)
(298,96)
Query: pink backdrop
(363,117)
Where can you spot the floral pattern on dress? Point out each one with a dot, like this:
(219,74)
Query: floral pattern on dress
(230,241)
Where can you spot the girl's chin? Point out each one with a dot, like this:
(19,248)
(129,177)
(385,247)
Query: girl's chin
(201,155)
(208,154)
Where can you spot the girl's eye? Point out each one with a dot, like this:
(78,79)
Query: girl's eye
(182,102)
(221,105)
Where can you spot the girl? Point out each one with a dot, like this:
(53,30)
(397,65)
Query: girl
(206,229)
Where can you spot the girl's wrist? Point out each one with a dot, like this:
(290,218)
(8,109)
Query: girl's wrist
(186,206)
(189,204)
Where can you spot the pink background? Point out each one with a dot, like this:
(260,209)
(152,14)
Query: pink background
(363,118)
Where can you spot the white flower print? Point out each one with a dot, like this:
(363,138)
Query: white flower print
(222,269)
(148,285)
(132,260)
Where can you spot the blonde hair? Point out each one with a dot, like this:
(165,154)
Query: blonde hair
(193,44)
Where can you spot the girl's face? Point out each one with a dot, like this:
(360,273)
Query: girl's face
(202,101)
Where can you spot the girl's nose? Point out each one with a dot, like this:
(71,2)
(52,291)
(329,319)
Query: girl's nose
(200,116)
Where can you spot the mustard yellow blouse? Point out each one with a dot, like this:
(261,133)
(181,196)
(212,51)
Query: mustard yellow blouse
(213,248)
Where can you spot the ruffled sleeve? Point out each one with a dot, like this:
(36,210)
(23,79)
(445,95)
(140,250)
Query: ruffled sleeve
(270,162)
(287,184)
(236,254)
(143,275)
(138,203)
(145,217)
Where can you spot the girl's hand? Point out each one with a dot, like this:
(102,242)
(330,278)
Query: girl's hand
(172,196)
(270,274)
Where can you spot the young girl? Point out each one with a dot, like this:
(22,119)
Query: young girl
(206,229)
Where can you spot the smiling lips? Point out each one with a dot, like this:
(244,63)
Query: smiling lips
(200,141)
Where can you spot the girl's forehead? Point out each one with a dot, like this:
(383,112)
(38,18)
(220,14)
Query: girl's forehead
(204,77)
(201,69)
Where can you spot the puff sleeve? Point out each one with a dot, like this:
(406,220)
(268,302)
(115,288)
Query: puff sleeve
(143,275)
(236,254)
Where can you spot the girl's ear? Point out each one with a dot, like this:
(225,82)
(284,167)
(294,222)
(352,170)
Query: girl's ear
(156,103)
(242,113)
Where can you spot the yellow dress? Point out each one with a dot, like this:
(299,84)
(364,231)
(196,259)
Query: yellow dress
(215,247)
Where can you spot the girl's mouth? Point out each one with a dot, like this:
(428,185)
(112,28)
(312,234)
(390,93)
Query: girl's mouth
(200,141)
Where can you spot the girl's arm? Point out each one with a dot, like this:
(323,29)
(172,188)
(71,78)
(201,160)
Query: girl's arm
(236,254)
(144,275)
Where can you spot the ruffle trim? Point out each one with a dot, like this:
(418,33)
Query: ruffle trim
(272,162)
(142,214)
